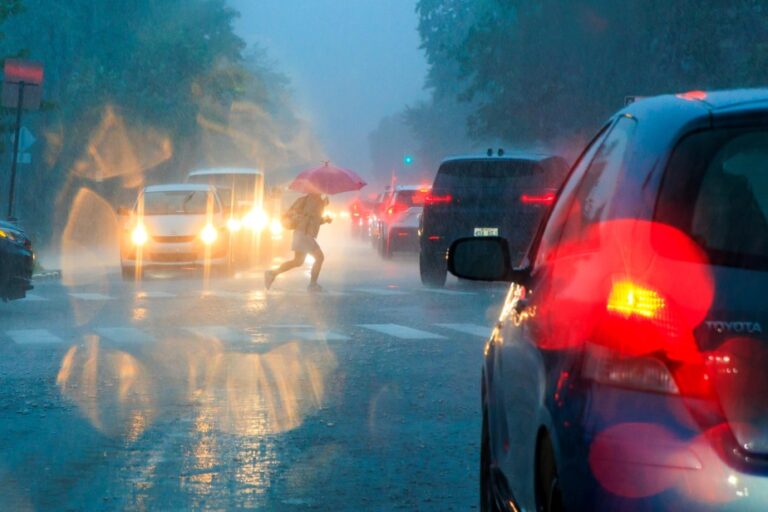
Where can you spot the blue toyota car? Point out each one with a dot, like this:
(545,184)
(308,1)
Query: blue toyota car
(628,370)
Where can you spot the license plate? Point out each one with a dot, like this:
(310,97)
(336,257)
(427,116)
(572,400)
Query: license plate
(486,231)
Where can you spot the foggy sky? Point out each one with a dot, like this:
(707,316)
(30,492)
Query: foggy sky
(351,62)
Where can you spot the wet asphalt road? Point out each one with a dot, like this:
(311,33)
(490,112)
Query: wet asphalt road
(178,394)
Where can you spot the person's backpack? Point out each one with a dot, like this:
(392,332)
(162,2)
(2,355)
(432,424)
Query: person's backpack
(290,219)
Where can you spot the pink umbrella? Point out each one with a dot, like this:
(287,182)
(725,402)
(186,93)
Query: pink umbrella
(327,179)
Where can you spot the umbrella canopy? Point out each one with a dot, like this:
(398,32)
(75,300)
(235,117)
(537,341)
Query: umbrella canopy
(327,179)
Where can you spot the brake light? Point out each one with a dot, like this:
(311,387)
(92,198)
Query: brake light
(546,198)
(639,346)
(432,199)
(396,208)
(629,299)
(693,96)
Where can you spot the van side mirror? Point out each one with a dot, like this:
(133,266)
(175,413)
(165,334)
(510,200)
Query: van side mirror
(484,259)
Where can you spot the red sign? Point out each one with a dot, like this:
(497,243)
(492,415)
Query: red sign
(26,74)
(23,71)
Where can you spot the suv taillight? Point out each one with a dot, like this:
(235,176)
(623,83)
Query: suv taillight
(397,208)
(430,199)
(545,198)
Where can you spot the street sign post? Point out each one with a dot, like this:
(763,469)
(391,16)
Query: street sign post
(22,89)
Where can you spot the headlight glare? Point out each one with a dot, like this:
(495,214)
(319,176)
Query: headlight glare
(139,235)
(209,234)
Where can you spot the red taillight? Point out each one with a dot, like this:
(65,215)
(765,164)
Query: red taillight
(433,237)
(639,345)
(546,198)
(396,208)
(693,95)
(444,199)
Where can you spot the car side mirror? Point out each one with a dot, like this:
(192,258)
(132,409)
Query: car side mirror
(484,259)
(122,211)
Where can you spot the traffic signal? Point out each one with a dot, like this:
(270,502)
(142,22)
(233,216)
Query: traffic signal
(407,159)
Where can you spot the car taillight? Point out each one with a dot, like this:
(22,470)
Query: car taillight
(546,198)
(397,208)
(640,346)
(430,199)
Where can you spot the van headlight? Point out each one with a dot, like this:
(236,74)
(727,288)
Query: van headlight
(139,235)
(209,234)
(276,227)
(234,225)
(256,219)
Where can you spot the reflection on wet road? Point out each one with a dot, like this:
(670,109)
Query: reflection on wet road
(176,394)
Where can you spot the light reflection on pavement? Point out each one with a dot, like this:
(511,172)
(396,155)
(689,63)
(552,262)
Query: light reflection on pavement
(162,398)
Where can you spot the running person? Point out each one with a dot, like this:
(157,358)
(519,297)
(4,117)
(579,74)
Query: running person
(308,214)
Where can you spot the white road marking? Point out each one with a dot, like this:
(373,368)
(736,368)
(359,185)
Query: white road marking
(476,330)
(155,295)
(224,294)
(125,334)
(380,291)
(310,335)
(90,296)
(402,332)
(33,337)
(34,298)
(220,333)
(442,291)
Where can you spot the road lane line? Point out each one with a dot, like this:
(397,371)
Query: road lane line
(402,332)
(441,291)
(379,291)
(154,295)
(33,337)
(34,298)
(473,329)
(125,334)
(224,294)
(220,333)
(90,296)
(309,335)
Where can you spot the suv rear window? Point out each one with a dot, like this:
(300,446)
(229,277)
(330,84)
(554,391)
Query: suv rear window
(410,197)
(468,174)
(716,191)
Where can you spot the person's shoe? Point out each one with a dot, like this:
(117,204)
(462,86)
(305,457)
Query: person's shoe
(269,278)
(314,287)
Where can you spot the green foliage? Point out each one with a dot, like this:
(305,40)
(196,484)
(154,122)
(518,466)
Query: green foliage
(158,67)
(537,70)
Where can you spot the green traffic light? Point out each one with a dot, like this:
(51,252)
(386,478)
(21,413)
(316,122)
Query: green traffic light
(407,159)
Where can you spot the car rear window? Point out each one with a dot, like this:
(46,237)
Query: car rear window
(716,190)
(410,197)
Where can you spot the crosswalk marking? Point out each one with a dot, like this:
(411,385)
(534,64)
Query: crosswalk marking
(223,294)
(380,291)
(402,332)
(442,291)
(34,297)
(473,329)
(155,295)
(313,335)
(125,334)
(33,337)
(90,296)
(220,333)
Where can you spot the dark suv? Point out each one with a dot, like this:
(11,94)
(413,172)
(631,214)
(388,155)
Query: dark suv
(629,367)
(486,196)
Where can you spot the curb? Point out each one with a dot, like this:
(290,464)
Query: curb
(46,276)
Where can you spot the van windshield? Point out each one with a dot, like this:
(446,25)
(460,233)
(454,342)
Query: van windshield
(233,188)
(716,191)
(178,202)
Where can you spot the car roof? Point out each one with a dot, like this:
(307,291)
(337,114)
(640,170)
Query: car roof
(693,104)
(225,170)
(399,188)
(180,187)
(509,157)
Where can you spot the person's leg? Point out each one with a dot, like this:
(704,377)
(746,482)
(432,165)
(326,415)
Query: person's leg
(297,261)
(317,253)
